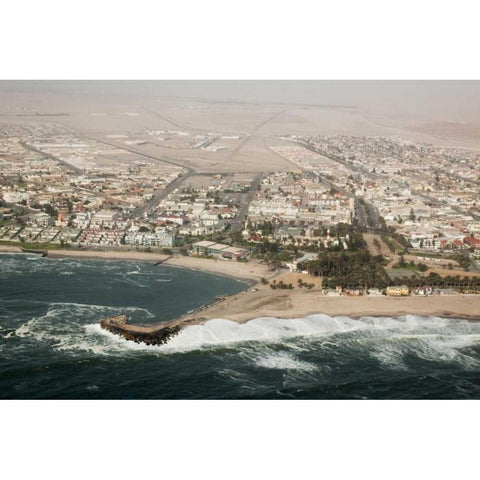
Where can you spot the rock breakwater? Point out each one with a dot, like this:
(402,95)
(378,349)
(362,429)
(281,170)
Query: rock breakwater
(153,335)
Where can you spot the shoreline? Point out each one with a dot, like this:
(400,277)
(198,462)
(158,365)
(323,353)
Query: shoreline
(241,308)
(463,307)
(262,301)
(249,273)
(246,306)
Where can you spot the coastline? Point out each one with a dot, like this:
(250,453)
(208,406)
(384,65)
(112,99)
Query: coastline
(262,301)
(241,309)
(246,306)
(250,273)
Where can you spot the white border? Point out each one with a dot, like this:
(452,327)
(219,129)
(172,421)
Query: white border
(213,39)
(239,439)
(248,39)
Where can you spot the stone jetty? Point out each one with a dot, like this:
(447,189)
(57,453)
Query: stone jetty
(150,335)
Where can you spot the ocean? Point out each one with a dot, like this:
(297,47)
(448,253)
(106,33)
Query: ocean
(51,345)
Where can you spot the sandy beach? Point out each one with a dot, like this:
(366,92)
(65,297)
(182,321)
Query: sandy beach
(265,302)
(251,272)
(298,303)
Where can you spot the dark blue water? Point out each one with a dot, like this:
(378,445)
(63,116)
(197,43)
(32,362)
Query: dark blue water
(52,347)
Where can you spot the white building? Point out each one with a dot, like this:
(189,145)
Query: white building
(147,239)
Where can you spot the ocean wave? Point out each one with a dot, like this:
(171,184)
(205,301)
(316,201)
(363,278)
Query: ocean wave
(62,326)
(8,334)
(283,361)
(107,343)
(267,329)
(276,344)
(101,307)
(368,333)
(393,354)
(148,274)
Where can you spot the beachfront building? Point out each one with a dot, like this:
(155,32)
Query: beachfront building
(398,291)
(218,250)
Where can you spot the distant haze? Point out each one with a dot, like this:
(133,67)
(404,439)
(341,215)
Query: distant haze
(411,96)
(440,112)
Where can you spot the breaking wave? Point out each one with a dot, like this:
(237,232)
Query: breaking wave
(263,357)
(62,327)
(386,340)
(222,332)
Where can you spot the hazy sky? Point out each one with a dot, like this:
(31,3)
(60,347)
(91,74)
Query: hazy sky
(432,100)
(342,92)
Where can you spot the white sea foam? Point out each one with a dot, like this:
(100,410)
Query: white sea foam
(388,340)
(24,329)
(267,329)
(390,354)
(283,361)
(222,332)
(108,343)
(100,307)
(62,326)
(148,274)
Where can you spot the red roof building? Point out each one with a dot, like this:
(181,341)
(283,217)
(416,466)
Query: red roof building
(472,242)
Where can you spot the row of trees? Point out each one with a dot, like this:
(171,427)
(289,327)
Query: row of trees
(345,268)
(435,280)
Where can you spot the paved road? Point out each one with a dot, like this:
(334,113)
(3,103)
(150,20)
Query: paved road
(366,213)
(52,157)
(249,136)
(355,168)
(158,197)
(237,224)
(169,120)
